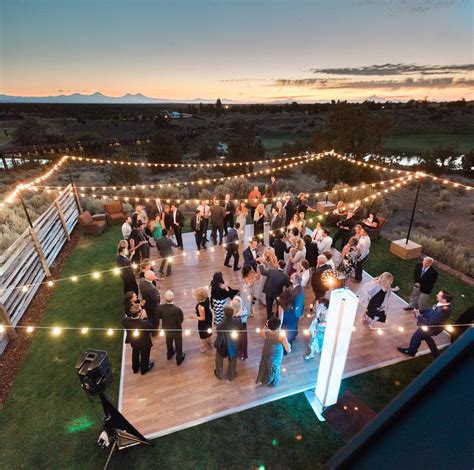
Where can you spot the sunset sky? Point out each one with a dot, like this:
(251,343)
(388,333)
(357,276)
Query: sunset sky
(256,50)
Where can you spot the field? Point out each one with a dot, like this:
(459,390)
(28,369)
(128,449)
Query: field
(425,141)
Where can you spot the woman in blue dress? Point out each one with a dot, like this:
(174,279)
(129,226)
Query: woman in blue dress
(272,353)
(287,315)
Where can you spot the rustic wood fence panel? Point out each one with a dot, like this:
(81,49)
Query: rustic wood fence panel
(26,263)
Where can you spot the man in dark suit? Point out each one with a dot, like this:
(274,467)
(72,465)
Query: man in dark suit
(344,231)
(311,251)
(251,254)
(164,245)
(319,288)
(138,331)
(425,279)
(126,271)
(197,226)
(274,186)
(159,207)
(232,247)
(172,318)
(177,223)
(139,245)
(290,208)
(430,321)
(229,211)
(276,223)
(151,296)
(217,221)
(276,280)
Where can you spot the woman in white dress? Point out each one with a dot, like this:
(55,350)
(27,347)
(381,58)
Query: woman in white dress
(242,213)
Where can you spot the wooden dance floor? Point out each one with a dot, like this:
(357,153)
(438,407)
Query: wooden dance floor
(171,398)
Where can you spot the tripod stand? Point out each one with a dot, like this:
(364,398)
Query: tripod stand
(119,431)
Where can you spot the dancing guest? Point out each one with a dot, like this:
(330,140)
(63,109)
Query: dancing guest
(325,243)
(217,221)
(302,223)
(377,295)
(151,296)
(317,328)
(425,279)
(349,258)
(158,230)
(159,208)
(126,271)
(267,198)
(258,221)
(319,288)
(138,332)
(272,353)
(232,247)
(165,247)
(302,205)
(336,215)
(298,295)
(220,294)
(280,246)
(242,212)
(311,250)
(172,318)
(204,317)
(345,227)
(139,245)
(276,224)
(166,219)
(127,228)
(363,250)
(317,233)
(297,254)
(276,280)
(249,277)
(281,211)
(270,259)
(197,226)
(146,265)
(205,211)
(229,212)
(149,229)
(289,207)
(227,344)
(330,262)
(254,199)
(370,222)
(286,314)
(357,232)
(131,298)
(251,254)
(177,223)
(241,312)
(430,323)
(304,272)
(274,186)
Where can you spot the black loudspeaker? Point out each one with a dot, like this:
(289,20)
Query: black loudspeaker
(93,370)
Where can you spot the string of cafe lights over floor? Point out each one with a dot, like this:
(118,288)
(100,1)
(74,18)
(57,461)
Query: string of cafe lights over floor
(84,330)
(34,184)
(97,274)
(136,198)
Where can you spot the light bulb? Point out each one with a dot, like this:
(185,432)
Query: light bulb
(84,330)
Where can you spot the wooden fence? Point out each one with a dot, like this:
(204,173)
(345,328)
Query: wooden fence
(27,261)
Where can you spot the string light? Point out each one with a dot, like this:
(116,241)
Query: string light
(56,331)
(29,329)
(84,330)
(76,159)
(110,332)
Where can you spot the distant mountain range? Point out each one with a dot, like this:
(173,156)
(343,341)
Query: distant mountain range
(100,98)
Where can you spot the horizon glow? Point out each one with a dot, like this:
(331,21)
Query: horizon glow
(243,51)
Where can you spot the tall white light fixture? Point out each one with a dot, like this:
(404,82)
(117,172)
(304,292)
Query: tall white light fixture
(340,320)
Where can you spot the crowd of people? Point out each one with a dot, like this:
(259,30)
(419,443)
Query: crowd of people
(277,267)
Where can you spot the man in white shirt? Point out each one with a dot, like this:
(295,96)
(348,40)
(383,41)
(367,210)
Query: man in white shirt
(127,228)
(205,213)
(325,243)
(363,249)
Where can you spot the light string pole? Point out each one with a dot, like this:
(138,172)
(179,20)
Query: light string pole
(418,187)
(20,196)
(74,189)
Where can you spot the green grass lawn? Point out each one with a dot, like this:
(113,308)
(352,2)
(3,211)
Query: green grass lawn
(48,422)
(274,141)
(421,142)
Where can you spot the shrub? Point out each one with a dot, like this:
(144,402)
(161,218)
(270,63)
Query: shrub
(455,256)
(442,206)
(453,230)
(444,196)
